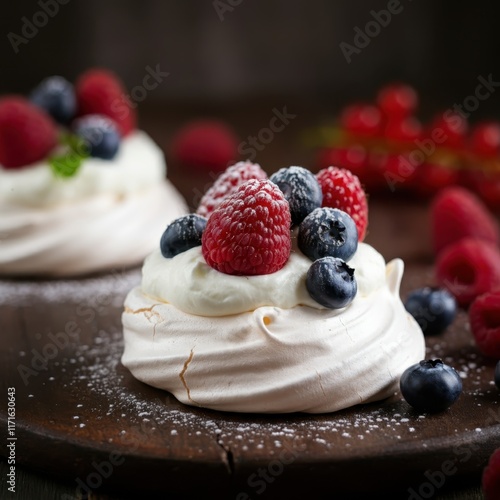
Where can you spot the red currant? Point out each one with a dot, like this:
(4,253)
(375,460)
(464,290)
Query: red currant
(450,131)
(397,100)
(485,139)
(362,119)
(403,130)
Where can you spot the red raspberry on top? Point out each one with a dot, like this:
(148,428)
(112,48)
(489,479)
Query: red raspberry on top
(27,133)
(342,190)
(484,316)
(227,183)
(457,213)
(249,233)
(100,92)
(491,477)
(206,144)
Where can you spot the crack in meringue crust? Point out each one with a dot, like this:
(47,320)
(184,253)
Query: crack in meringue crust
(274,359)
(111,214)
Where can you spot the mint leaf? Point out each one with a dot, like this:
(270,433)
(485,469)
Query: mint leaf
(67,164)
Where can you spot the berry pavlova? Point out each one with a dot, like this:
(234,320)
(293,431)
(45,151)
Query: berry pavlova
(81,189)
(266,300)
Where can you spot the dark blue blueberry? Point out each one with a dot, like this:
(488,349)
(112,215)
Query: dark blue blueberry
(433,308)
(301,190)
(430,386)
(56,96)
(331,282)
(100,135)
(497,375)
(182,234)
(328,232)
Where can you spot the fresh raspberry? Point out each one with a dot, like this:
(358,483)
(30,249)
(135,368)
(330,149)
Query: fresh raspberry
(205,144)
(484,317)
(342,190)
(27,133)
(491,477)
(227,184)
(468,269)
(457,213)
(100,92)
(249,234)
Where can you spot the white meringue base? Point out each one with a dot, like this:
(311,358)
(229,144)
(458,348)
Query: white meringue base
(274,360)
(106,231)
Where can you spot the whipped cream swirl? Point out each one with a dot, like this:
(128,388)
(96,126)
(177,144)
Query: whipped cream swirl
(273,350)
(111,214)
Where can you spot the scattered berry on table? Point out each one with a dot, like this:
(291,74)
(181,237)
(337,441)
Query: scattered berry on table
(249,233)
(99,91)
(468,269)
(57,97)
(328,232)
(491,477)
(205,144)
(301,190)
(27,133)
(227,184)
(182,234)
(100,135)
(430,386)
(331,282)
(484,316)
(342,190)
(457,213)
(434,309)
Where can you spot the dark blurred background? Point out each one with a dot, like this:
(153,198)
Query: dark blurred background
(260,48)
(239,59)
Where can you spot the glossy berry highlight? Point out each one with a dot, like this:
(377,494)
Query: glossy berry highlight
(182,234)
(301,190)
(434,309)
(328,232)
(331,283)
(430,386)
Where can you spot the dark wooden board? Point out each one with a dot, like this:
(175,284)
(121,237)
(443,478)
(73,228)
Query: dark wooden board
(83,409)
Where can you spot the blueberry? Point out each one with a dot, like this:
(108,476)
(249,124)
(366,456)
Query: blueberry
(56,96)
(430,386)
(433,308)
(497,375)
(301,190)
(328,232)
(182,234)
(100,135)
(331,282)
